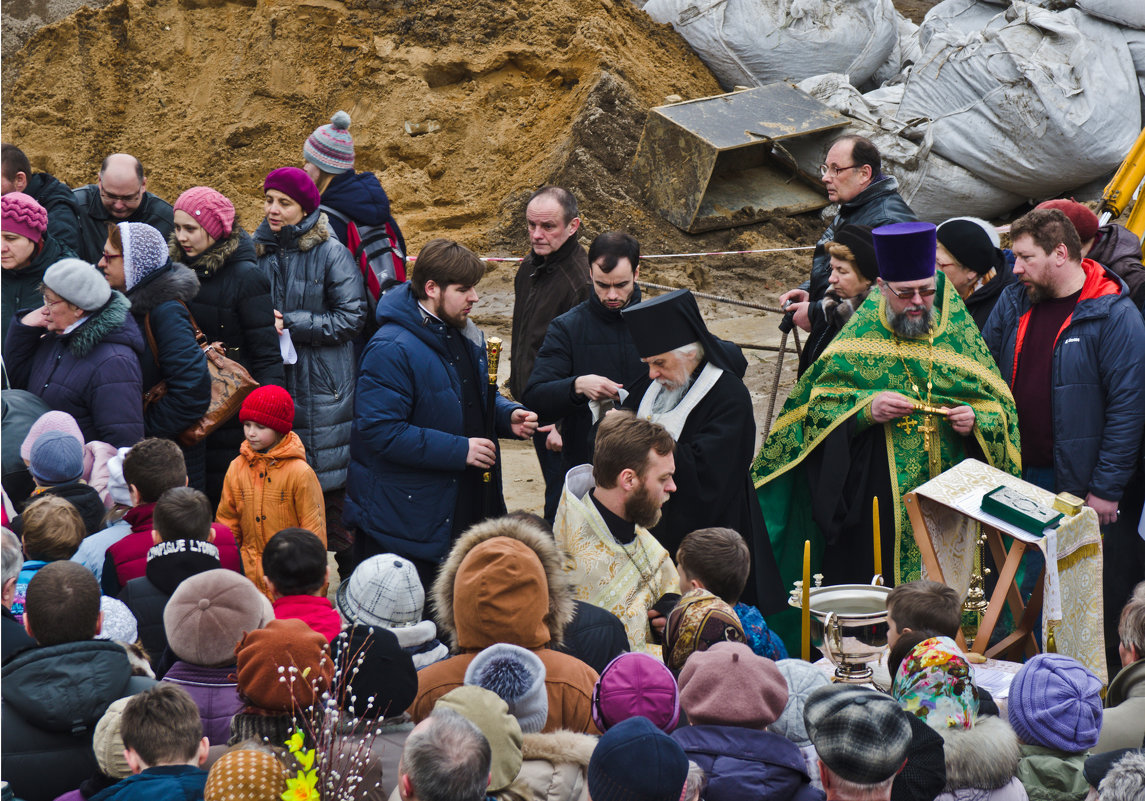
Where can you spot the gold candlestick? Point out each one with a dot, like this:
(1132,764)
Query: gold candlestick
(975,603)
(493,354)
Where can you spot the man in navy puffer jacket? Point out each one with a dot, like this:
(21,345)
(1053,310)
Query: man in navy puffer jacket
(420,445)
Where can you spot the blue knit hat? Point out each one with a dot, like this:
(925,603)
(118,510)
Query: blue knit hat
(518,676)
(57,458)
(1055,702)
(331,148)
(635,761)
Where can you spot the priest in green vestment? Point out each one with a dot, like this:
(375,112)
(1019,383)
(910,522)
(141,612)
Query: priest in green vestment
(905,391)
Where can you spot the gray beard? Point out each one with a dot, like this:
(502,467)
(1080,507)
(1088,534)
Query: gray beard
(669,399)
(908,327)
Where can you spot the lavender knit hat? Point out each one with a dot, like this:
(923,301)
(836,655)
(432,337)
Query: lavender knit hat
(49,421)
(331,148)
(144,251)
(21,214)
(1055,702)
(211,209)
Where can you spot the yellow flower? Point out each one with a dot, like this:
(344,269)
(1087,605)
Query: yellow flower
(303,787)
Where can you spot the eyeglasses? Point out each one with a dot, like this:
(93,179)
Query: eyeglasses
(834,172)
(907,294)
(50,303)
(110,198)
(109,256)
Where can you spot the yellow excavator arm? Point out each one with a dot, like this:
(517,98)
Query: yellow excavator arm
(1125,186)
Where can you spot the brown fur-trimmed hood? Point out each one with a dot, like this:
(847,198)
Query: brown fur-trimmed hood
(559,746)
(509,590)
(982,758)
(307,235)
(214,257)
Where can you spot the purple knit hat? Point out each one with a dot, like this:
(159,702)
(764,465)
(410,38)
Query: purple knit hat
(21,214)
(1055,702)
(331,148)
(49,421)
(296,185)
(144,252)
(210,209)
(636,684)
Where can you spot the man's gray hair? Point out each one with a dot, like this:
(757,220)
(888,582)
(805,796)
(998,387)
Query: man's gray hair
(689,350)
(449,760)
(13,556)
(1125,780)
(1131,626)
(846,790)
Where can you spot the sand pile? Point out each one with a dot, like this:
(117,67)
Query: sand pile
(520,92)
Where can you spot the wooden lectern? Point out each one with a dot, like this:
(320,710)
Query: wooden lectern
(945,514)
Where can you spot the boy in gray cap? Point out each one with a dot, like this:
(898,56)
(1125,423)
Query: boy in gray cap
(861,737)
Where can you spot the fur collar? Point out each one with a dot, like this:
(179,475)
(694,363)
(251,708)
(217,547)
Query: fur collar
(839,311)
(95,329)
(178,282)
(214,257)
(559,746)
(300,237)
(984,757)
(561,606)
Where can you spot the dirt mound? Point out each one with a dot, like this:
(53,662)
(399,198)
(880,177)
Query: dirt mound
(520,92)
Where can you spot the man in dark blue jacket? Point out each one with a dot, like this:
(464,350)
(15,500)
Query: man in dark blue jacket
(1069,341)
(853,176)
(588,357)
(423,454)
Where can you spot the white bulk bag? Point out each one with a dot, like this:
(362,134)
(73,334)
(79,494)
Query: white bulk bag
(757,42)
(1036,103)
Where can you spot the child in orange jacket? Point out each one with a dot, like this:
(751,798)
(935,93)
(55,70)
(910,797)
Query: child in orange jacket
(269,486)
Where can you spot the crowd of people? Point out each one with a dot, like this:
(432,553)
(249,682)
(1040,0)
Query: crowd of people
(169,627)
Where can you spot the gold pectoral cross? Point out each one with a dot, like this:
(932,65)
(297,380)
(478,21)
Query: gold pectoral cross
(932,444)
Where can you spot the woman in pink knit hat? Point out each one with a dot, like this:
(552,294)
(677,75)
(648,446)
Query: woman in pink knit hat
(232,306)
(26,251)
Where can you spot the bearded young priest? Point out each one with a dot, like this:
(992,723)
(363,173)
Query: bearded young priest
(905,391)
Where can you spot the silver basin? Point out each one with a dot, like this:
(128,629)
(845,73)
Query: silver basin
(849,625)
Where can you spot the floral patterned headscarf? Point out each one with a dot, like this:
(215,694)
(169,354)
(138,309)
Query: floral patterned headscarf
(934,683)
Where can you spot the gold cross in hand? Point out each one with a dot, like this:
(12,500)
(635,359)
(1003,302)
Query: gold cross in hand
(907,424)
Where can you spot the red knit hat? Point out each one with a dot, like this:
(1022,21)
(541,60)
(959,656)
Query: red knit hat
(269,406)
(21,214)
(1082,217)
(210,209)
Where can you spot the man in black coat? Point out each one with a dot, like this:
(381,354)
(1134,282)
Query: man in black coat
(695,389)
(54,195)
(119,195)
(588,357)
(552,279)
(55,693)
(853,176)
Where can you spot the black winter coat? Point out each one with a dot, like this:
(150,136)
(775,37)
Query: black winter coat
(588,340)
(1098,381)
(982,300)
(179,361)
(52,698)
(319,289)
(544,288)
(233,307)
(878,204)
(91,373)
(93,219)
(21,286)
(63,212)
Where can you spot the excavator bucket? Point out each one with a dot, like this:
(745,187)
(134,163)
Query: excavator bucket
(719,162)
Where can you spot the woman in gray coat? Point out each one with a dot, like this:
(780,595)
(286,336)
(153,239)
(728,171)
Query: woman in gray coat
(319,300)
